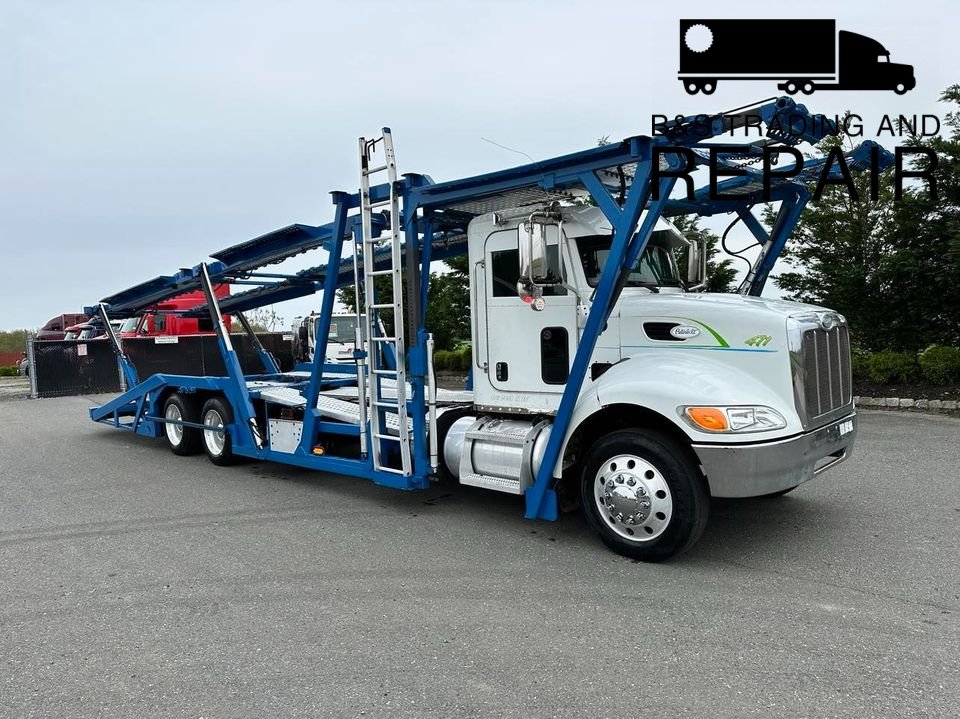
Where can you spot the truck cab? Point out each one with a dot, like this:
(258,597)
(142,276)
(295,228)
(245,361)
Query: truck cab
(164,319)
(754,393)
(341,339)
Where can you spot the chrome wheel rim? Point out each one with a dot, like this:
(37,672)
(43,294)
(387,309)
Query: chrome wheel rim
(174,431)
(633,498)
(213,438)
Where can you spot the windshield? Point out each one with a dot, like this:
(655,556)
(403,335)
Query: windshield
(342,329)
(130,325)
(656,267)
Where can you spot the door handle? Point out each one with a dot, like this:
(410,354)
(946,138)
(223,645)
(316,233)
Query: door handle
(480,296)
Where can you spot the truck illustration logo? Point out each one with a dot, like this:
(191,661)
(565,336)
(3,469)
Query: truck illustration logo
(715,50)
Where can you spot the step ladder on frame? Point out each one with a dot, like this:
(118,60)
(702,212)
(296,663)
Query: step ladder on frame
(378,371)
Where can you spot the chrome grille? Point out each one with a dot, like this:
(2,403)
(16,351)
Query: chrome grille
(826,382)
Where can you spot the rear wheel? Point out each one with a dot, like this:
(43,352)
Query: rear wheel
(181,408)
(216,414)
(644,495)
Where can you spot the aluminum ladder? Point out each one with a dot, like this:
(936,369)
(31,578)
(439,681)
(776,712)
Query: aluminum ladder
(378,370)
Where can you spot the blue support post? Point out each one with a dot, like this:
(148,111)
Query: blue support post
(416,355)
(266,359)
(541,500)
(343,202)
(236,386)
(787,219)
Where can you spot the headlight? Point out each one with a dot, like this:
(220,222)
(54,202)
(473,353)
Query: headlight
(747,418)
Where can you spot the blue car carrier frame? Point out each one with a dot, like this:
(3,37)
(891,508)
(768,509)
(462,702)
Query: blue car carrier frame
(630,181)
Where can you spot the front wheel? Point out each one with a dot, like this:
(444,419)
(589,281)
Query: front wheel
(644,495)
(215,416)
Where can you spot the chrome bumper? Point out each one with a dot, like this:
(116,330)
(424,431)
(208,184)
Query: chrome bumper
(752,470)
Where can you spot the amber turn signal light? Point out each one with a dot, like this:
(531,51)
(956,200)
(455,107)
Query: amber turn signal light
(708,418)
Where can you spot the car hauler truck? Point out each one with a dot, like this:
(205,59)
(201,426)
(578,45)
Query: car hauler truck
(714,50)
(600,375)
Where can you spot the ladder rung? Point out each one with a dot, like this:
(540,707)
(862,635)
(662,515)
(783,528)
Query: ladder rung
(384,339)
(379,203)
(374,170)
(389,405)
(377,273)
(386,372)
(382,306)
(390,437)
(391,470)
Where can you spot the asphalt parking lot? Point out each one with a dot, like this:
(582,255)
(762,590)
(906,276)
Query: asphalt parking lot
(137,583)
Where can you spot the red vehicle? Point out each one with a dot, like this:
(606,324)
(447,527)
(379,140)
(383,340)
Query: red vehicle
(56,327)
(163,320)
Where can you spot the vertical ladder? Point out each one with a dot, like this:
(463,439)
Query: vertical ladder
(380,407)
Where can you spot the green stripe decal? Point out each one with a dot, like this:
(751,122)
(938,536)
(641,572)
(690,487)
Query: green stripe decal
(716,335)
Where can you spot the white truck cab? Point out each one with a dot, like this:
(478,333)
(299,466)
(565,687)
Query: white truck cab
(341,340)
(749,396)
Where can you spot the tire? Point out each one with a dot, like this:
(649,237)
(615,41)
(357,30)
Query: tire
(708,87)
(692,87)
(181,440)
(791,87)
(807,87)
(218,445)
(630,467)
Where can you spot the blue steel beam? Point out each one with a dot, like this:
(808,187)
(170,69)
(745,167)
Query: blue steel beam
(344,203)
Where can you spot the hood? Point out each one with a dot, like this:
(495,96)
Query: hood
(644,304)
(725,322)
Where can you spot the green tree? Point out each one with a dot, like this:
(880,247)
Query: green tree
(720,275)
(448,303)
(838,249)
(891,267)
(921,277)
(13,341)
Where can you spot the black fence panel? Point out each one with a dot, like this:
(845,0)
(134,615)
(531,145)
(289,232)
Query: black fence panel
(200,354)
(69,367)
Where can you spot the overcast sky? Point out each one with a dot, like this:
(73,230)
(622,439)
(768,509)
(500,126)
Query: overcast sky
(137,137)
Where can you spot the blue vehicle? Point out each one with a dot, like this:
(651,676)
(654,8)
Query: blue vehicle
(602,374)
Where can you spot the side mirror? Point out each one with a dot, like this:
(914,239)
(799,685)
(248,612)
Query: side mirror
(538,265)
(302,332)
(697,263)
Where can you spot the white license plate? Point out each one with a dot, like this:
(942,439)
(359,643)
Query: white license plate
(846,427)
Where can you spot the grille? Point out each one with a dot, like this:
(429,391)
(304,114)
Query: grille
(826,372)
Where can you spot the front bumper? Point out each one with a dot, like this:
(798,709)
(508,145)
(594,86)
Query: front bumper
(753,470)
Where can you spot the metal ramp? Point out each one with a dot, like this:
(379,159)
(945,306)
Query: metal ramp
(383,409)
(331,407)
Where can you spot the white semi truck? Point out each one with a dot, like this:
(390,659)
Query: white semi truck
(341,338)
(689,395)
(601,375)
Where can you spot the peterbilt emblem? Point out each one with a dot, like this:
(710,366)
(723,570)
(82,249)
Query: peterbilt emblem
(827,321)
(684,332)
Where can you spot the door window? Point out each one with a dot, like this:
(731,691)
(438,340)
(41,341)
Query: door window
(505,272)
